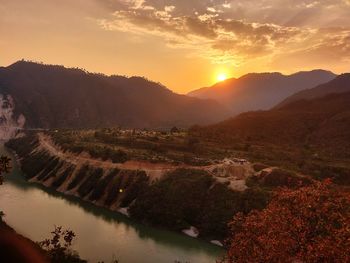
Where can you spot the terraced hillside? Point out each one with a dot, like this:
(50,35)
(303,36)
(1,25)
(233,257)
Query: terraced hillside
(154,190)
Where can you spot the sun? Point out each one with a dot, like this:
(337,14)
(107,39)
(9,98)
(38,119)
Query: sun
(221,77)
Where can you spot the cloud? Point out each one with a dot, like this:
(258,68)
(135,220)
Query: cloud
(237,31)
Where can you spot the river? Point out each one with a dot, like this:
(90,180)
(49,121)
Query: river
(102,235)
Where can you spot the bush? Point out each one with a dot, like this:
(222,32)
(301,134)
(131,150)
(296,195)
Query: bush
(58,248)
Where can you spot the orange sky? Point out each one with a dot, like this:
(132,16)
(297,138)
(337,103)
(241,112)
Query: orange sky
(182,44)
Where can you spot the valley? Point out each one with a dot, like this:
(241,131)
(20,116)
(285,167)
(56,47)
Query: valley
(150,175)
(126,186)
(234,167)
(147,131)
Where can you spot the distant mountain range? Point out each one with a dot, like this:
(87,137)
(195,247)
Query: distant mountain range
(57,97)
(339,85)
(319,121)
(261,91)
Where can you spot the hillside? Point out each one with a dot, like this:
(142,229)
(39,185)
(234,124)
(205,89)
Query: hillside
(310,136)
(340,84)
(53,96)
(153,191)
(261,91)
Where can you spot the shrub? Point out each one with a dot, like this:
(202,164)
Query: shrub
(58,248)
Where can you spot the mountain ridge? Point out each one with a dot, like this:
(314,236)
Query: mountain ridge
(261,91)
(52,96)
(341,84)
(322,122)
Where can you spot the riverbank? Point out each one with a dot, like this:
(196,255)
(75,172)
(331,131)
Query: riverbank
(33,210)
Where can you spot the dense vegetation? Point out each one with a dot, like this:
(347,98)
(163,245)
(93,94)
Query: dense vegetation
(192,197)
(120,145)
(310,224)
(312,137)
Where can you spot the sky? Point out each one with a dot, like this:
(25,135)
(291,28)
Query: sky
(182,44)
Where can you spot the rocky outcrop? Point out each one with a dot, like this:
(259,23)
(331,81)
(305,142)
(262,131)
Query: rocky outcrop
(233,172)
(9,123)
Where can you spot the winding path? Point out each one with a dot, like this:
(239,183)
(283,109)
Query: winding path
(154,170)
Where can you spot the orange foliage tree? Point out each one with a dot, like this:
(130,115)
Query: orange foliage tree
(311,224)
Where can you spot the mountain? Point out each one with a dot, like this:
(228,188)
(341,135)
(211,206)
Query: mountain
(51,96)
(320,126)
(261,91)
(341,84)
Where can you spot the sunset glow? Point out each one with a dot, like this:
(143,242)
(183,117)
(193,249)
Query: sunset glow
(221,77)
(186,130)
(192,38)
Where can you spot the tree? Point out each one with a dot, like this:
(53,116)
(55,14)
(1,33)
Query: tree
(311,224)
(58,248)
